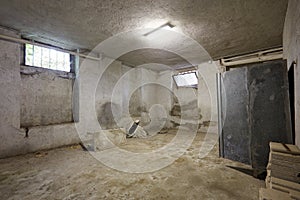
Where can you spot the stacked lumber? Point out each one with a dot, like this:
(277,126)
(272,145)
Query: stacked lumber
(283,173)
(284,162)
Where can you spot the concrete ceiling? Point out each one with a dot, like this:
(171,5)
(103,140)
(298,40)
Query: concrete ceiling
(222,27)
(144,56)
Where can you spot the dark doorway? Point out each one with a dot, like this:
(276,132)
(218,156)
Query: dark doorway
(291,77)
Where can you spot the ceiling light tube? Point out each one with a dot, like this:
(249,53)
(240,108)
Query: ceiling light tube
(160,27)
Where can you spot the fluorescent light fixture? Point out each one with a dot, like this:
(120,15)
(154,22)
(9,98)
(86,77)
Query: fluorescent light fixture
(168,24)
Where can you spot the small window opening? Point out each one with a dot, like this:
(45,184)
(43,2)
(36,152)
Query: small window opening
(186,79)
(37,56)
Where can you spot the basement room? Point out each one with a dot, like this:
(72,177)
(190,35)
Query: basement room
(143,99)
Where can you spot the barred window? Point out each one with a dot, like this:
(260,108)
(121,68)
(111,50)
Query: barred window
(37,56)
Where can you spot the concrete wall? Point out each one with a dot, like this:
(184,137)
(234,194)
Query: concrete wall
(183,102)
(160,97)
(121,93)
(36,104)
(291,47)
(195,101)
(132,90)
(207,91)
(46,98)
(10,81)
(148,95)
(13,139)
(105,105)
(139,93)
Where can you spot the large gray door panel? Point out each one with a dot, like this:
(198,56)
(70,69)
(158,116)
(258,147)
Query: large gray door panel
(236,136)
(255,111)
(269,108)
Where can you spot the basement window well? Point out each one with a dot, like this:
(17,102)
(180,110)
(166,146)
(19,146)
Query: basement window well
(187,79)
(37,56)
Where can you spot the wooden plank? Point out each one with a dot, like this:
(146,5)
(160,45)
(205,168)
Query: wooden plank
(284,157)
(284,148)
(284,169)
(282,163)
(268,181)
(284,183)
(283,172)
(270,194)
(288,176)
(293,194)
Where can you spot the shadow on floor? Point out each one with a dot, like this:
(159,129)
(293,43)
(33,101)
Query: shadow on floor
(259,175)
(243,170)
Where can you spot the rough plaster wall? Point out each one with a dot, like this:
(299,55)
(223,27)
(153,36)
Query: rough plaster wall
(204,100)
(144,89)
(148,90)
(189,101)
(131,93)
(9,82)
(135,104)
(89,75)
(45,99)
(162,92)
(166,83)
(11,137)
(205,95)
(132,78)
(196,102)
(105,106)
(122,88)
(291,47)
(207,91)
(13,140)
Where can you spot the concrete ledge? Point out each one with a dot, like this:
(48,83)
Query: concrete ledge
(14,141)
(48,137)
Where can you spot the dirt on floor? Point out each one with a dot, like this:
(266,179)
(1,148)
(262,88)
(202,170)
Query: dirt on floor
(72,173)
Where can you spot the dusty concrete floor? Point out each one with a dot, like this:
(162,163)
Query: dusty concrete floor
(71,173)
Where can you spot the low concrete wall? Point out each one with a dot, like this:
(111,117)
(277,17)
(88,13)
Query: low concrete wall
(20,141)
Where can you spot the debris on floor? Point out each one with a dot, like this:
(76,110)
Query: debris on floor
(163,131)
(104,139)
(136,131)
(75,146)
(132,129)
(73,174)
(40,154)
